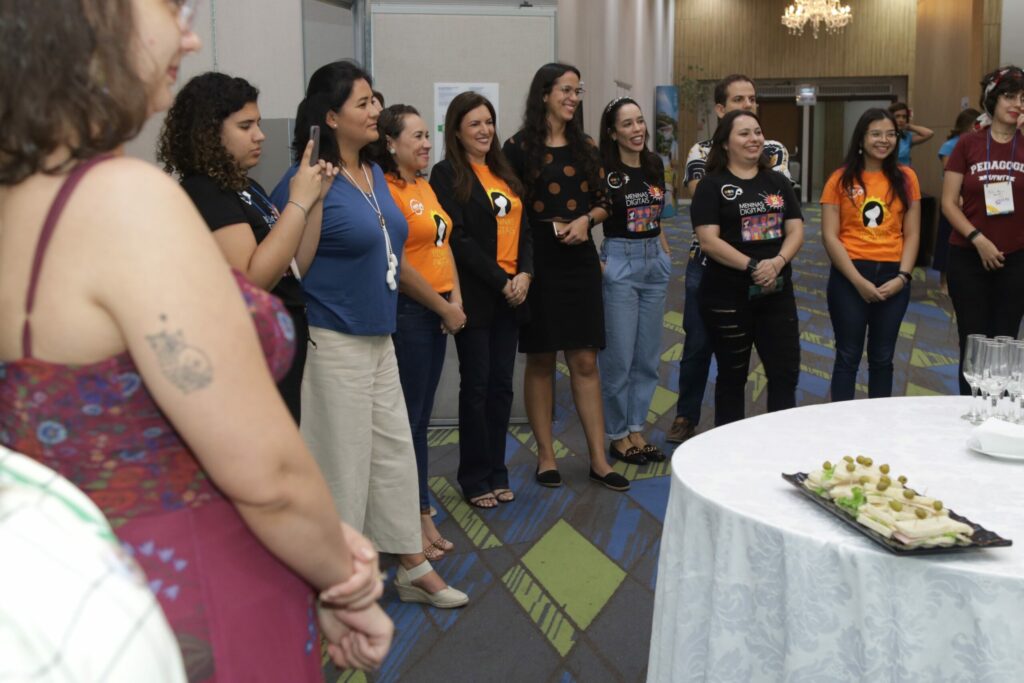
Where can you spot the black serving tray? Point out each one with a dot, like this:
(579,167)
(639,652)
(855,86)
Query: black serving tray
(982,537)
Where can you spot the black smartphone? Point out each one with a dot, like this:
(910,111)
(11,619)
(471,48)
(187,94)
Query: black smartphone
(314,135)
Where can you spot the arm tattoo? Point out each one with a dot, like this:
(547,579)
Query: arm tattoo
(187,367)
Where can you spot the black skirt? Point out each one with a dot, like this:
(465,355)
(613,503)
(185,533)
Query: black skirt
(565,302)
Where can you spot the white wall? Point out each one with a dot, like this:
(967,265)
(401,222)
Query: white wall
(1011,50)
(328,34)
(259,41)
(622,47)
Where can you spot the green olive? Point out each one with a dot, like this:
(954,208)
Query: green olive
(868,462)
(921,514)
(886,479)
(882,485)
(937,505)
(908,494)
(864,480)
(884,469)
(847,458)
(860,459)
(826,465)
(901,479)
(850,467)
(896,505)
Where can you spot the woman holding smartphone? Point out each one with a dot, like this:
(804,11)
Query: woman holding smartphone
(637,267)
(211,139)
(870,225)
(560,169)
(748,221)
(355,419)
(491,241)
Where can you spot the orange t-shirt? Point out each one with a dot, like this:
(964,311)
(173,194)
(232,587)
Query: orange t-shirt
(871,217)
(426,247)
(508,212)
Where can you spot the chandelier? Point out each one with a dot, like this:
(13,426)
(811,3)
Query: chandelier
(834,16)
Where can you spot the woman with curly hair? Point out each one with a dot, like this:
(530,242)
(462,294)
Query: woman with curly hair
(210,139)
(560,169)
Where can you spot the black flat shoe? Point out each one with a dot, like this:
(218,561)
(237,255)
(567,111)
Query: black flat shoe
(550,478)
(613,480)
(653,453)
(632,456)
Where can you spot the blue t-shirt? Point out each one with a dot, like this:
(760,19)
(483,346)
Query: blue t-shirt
(905,144)
(345,287)
(947,147)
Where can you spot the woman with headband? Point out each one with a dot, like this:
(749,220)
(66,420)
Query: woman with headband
(637,266)
(986,255)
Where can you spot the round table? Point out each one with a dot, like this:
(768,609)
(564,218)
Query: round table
(756,583)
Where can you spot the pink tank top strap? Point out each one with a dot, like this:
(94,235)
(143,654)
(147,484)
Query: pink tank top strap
(52,216)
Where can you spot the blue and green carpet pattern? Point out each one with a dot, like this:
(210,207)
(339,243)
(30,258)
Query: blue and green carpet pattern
(561,581)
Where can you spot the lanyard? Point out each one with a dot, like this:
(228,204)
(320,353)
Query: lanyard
(392,259)
(988,153)
(262,203)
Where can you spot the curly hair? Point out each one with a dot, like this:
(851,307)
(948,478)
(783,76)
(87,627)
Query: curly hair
(190,140)
(68,77)
(536,128)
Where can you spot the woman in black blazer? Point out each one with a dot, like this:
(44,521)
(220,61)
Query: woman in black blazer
(493,253)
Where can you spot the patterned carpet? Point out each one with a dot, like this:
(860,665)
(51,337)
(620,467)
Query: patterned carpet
(562,580)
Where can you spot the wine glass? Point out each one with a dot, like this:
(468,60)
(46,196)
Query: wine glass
(1016,386)
(995,372)
(972,374)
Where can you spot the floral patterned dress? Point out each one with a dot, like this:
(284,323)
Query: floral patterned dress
(238,613)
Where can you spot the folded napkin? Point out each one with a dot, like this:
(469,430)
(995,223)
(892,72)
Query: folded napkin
(999,437)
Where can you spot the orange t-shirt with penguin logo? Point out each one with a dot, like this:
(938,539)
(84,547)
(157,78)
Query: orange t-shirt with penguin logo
(426,248)
(508,212)
(871,217)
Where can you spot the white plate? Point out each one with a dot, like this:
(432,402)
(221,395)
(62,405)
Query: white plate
(975,445)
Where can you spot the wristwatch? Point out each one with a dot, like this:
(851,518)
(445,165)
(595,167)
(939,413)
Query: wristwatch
(752,265)
(590,220)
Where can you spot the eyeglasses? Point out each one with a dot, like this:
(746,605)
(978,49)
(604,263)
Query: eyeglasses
(186,13)
(569,90)
(882,134)
(1018,98)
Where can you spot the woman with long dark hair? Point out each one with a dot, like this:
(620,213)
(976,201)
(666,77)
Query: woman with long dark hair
(491,241)
(749,224)
(211,139)
(637,267)
(429,297)
(139,366)
(561,171)
(870,225)
(983,198)
(355,419)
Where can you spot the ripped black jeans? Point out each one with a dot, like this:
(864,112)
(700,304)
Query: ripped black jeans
(736,324)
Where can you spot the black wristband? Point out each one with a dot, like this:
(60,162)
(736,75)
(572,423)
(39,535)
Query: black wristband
(590,220)
(906,276)
(752,264)
(974,235)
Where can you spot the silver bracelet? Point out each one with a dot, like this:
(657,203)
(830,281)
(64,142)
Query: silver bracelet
(305,213)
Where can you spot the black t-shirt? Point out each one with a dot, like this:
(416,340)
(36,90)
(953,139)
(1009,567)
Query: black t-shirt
(220,208)
(638,198)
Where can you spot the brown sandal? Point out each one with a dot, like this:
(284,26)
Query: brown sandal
(442,544)
(485,501)
(504,495)
(432,552)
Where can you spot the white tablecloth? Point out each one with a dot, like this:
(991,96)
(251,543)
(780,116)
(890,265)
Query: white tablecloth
(756,583)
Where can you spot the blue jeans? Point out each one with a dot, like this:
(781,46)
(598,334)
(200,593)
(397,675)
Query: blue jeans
(853,318)
(419,347)
(635,282)
(697,351)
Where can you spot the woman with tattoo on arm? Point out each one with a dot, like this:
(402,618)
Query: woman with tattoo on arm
(130,364)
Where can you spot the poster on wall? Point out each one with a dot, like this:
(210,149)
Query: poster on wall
(666,104)
(444,93)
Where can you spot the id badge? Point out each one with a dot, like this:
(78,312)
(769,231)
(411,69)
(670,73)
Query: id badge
(999,198)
